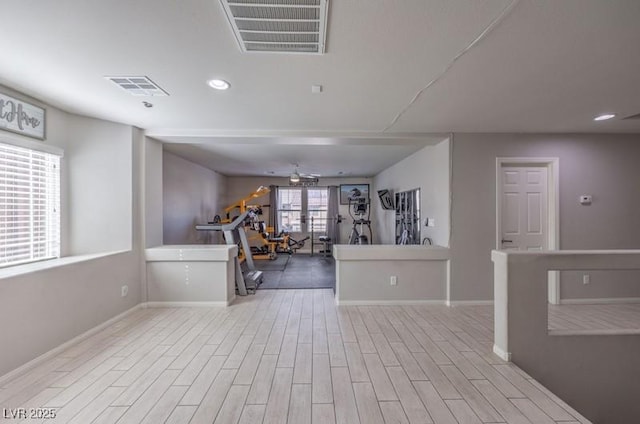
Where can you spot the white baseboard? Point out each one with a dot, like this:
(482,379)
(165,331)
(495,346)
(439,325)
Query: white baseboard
(603,332)
(505,356)
(59,349)
(221,303)
(469,302)
(387,302)
(603,300)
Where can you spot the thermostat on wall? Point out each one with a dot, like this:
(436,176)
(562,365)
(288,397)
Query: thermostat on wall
(585,199)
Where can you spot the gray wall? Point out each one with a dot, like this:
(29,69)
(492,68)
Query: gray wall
(605,166)
(152,187)
(40,310)
(192,194)
(98,164)
(428,170)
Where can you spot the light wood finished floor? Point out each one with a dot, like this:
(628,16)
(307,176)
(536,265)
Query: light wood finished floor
(288,356)
(604,317)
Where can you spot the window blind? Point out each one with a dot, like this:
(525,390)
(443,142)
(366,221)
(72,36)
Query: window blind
(317,205)
(29,205)
(290,209)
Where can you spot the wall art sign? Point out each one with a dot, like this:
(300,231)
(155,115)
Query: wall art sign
(21,117)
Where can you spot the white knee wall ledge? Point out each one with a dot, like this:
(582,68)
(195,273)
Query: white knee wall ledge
(190,275)
(570,364)
(364,274)
(520,288)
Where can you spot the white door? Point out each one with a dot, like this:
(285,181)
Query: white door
(524,208)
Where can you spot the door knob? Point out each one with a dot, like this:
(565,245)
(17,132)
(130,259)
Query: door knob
(507,241)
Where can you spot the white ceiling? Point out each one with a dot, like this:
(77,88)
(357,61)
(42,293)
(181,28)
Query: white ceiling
(391,68)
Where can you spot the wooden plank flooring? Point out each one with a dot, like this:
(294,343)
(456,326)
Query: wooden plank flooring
(288,356)
(607,317)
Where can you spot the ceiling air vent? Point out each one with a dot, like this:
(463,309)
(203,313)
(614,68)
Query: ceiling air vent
(278,26)
(138,86)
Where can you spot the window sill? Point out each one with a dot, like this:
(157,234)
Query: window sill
(18,270)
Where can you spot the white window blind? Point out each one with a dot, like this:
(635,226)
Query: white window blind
(317,205)
(290,209)
(29,205)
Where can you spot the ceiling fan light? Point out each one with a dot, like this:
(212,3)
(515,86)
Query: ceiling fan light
(294,177)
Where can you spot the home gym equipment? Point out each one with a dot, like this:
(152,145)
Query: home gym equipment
(282,243)
(358,209)
(325,240)
(408,217)
(235,234)
(242,205)
(294,244)
(270,245)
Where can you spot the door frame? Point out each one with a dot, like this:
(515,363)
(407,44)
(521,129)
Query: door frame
(552,164)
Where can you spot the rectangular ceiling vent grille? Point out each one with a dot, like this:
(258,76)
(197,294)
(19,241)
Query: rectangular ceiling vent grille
(278,26)
(138,86)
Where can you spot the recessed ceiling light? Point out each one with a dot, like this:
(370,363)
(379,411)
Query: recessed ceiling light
(147,104)
(604,117)
(219,84)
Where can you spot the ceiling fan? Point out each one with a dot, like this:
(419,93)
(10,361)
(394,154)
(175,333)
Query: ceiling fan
(297,178)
